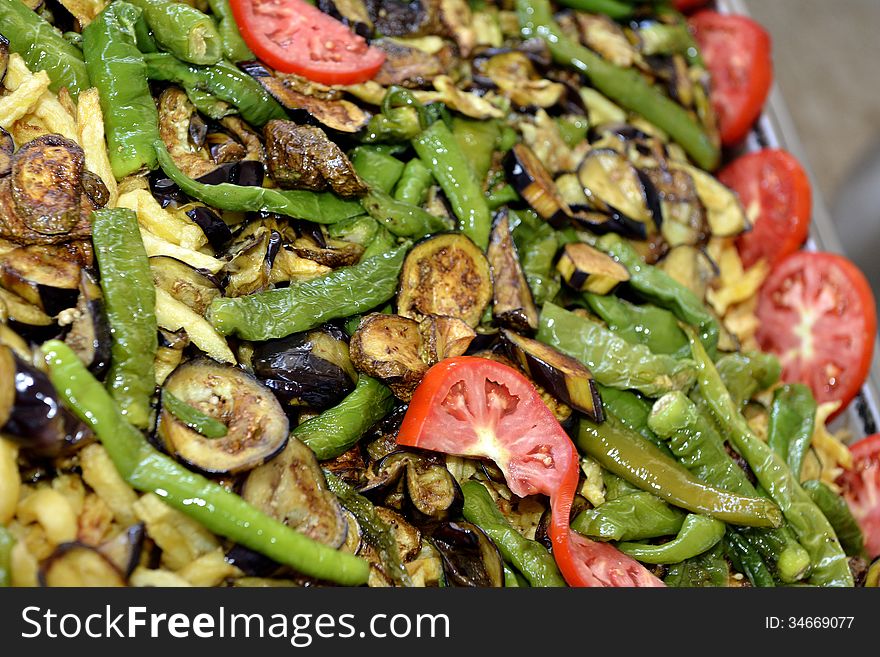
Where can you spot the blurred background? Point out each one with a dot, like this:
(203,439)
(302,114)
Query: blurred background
(827,65)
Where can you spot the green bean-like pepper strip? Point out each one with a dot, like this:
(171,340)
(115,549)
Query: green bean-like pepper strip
(653,327)
(318,207)
(626,87)
(338,429)
(746,373)
(206,425)
(792,421)
(439,150)
(632,411)
(835,508)
(130,302)
(414,183)
(148,470)
(748,560)
(383,242)
(116,67)
(704,570)
(616,9)
(234,47)
(43,48)
(631,517)
(183,30)
(398,125)
(502,196)
(477,141)
(633,458)
(529,557)
(401,218)
(7,541)
(697,534)
(378,168)
(813,530)
(613,361)
(537,255)
(397,97)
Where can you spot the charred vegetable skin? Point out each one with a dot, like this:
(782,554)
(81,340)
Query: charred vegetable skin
(513,305)
(222,512)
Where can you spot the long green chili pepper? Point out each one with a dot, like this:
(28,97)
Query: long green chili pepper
(538,255)
(144,37)
(633,458)
(183,30)
(513,579)
(375,530)
(697,534)
(116,67)
(707,569)
(234,47)
(401,218)
(378,168)
(504,195)
(222,80)
(656,328)
(338,429)
(813,530)
(792,421)
(661,289)
(748,560)
(220,511)
(280,312)
(746,373)
(193,417)
(477,141)
(613,361)
(529,557)
(360,230)
(414,183)
(7,541)
(318,207)
(616,9)
(208,104)
(397,97)
(398,125)
(439,150)
(43,48)
(835,508)
(626,87)
(130,302)
(631,517)
(632,411)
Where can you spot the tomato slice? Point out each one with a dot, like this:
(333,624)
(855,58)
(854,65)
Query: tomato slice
(293,36)
(860,486)
(817,313)
(476,407)
(775,192)
(736,50)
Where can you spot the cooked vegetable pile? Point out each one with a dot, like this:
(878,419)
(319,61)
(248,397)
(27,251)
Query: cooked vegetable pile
(449,296)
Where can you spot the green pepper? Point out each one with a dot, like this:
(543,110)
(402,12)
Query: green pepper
(398,125)
(43,48)
(414,183)
(653,327)
(208,104)
(234,47)
(183,30)
(504,195)
(529,557)
(220,511)
(698,534)
(613,361)
(438,149)
(661,289)
(383,242)
(792,421)
(401,218)
(748,560)
(477,141)
(318,207)
(379,169)
(746,373)
(631,517)
(338,429)
(658,38)
(222,80)
(130,302)
(616,9)
(633,458)
(812,529)
(835,508)
(631,410)
(537,255)
(304,305)
(573,129)
(707,569)
(627,87)
(193,417)
(513,579)
(144,37)
(116,67)
(359,230)
(7,542)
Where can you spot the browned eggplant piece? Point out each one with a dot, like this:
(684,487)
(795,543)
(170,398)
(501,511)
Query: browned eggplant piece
(94,189)
(4,56)
(7,147)
(186,284)
(563,376)
(257,427)
(513,304)
(38,275)
(125,549)
(20,312)
(402,17)
(79,565)
(303,157)
(533,182)
(388,347)
(89,335)
(470,558)
(684,217)
(692,267)
(406,535)
(412,481)
(215,229)
(351,12)
(587,269)
(291,488)
(222,146)
(445,275)
(333,253)
(251,140)
(406,66)
(253,255)
(444,337)
(514,74)
(175,115)
(312,368)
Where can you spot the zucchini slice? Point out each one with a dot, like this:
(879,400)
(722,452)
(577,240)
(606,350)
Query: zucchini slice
(589,270)
(513,305)
(533,182)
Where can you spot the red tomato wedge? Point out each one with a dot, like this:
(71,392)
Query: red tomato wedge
(475,407)
(817,313)
(293,36)
(736,50)
(775,192)
(860,486)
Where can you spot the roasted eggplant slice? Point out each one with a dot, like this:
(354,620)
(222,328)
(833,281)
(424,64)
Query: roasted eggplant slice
(410,480)
(351,12)
(41,277)
(125,549)
(614,186)
(89,335)
(406,66)
(190,286)
(724,213)
(253,255)
(470,558)
(311,369)
(215,229)
(256,423)
(333,253)
(684,218)
(513,304)
(587,269)
(79,565)
(691,267)
(514,74)
(402,17)
(291,488)
(7,147)
(388,347)
(561,375)
(407,537)
(445,275)
(444,337)
(533,182)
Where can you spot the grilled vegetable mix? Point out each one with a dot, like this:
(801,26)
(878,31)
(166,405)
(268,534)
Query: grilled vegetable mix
(440,296)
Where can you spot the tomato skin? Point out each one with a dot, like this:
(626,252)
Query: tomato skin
(476,407)
(688,5)
(772,182)
(860,487)
(818,314)
(322,48)
(736,50)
